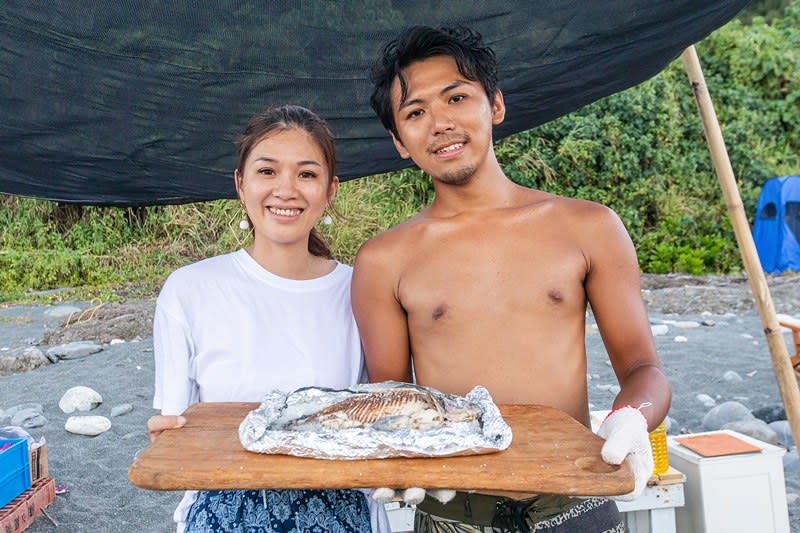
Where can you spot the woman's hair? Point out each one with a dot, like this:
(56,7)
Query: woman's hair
(276,119)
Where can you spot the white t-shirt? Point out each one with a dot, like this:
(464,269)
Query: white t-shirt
(227,330)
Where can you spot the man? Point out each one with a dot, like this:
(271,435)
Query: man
(489,284)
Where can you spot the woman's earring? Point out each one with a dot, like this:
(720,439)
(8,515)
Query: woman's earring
(327,220)
(244,224)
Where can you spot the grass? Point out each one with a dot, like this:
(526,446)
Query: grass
(51,253)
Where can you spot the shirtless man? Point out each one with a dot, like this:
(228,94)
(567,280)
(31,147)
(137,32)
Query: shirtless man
(489,284)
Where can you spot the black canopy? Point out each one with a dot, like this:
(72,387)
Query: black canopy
(137,102)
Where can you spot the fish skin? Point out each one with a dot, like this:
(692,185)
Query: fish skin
(400,407)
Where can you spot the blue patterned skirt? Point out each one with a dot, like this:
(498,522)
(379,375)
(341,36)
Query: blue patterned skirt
(279,511)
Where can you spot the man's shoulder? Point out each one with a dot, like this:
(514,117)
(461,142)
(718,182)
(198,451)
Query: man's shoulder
(394,238)
(565,206)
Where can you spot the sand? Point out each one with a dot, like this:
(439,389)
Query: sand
(94,469)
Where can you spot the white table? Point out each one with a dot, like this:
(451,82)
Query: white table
(652,512)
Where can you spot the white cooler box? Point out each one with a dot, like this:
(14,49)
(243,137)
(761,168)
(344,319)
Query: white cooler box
(731,493)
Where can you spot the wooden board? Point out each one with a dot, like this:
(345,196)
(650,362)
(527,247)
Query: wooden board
(550,452)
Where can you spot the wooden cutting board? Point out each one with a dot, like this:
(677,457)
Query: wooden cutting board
(550,452)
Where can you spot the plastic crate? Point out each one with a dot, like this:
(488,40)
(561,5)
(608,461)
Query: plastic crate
(20,513)
(15,471)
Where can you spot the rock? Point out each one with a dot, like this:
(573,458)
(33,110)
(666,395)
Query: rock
(745,335)
(11,411)
(87,425)
(80,398)
(791,462)
(29,359)
(680,338)
(659,329)
(105,322)
(28,418)
(74,350)
(724,413)
(770,413)
(60,311)
(708,322)
(685,324)
(116,341)
(121,409)
(758,429)
(732,377)
(706,400)
(784,432)
(791,497)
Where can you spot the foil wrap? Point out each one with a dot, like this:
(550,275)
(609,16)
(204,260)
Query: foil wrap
(272,427)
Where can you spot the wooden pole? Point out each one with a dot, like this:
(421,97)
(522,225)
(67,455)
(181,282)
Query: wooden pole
(787,383)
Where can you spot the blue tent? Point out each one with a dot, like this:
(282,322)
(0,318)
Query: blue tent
(776,230)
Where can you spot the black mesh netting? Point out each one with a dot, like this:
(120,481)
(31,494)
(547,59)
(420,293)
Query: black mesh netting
(137,102)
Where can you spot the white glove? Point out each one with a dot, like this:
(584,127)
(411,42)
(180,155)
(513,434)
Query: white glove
(625,431)
(412,496)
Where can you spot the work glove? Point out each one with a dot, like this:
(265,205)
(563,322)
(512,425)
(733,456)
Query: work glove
(625,432)
(412,496)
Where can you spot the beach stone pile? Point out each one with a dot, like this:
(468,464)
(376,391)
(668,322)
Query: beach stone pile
(75,399)
(101,324)
(82,332)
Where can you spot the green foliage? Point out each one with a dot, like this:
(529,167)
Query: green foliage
(641,152)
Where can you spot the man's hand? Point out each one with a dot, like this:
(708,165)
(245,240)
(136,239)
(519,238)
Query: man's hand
(412,496)
(158,423)
(625,431)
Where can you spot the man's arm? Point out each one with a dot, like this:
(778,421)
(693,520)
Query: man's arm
(381,318)
(614,292)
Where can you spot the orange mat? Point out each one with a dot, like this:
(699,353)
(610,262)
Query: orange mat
(717,445)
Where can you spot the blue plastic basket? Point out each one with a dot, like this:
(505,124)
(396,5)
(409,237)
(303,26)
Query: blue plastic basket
(15,470)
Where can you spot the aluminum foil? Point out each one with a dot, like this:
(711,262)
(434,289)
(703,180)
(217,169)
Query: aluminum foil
(273,427)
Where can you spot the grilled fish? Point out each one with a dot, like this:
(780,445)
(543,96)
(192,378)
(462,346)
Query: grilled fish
(397,407)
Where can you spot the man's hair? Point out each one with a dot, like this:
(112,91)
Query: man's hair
(475,61)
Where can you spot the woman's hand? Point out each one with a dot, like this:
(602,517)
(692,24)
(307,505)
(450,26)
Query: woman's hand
(158,423)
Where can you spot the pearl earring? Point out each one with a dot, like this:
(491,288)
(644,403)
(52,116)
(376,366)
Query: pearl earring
(244,224)
(327,220)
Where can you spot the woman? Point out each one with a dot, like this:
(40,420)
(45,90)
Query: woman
(275,315)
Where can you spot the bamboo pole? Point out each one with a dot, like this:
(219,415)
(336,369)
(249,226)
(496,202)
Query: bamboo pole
(787,383)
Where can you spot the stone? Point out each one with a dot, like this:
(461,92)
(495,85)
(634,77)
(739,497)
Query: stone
(770,413)
(79,398)
(791,462)
(732,377)
(75,350)
(121,409)
(11,411)
(659,329)
(706,400)
(680,338)
(87,425)
(686,324)
(29,359)
(758,429)
(28,418)
(725,413)
(708,322)
(784,432)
